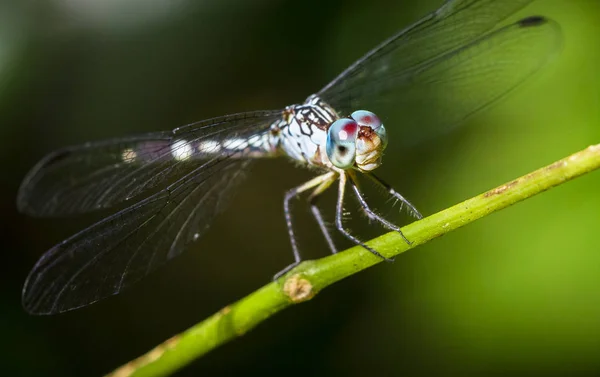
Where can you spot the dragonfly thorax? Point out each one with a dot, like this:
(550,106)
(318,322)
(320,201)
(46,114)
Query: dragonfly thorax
(313,133)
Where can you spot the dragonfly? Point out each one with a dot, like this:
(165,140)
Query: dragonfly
(432,75)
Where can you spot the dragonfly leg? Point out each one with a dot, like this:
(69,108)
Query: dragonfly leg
(312,200)
(372,214)
(411,208)
(339,212)
(291,194)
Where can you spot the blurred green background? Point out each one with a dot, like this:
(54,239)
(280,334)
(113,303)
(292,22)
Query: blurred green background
(513,294)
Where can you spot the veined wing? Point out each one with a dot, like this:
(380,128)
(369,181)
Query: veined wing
(192,171)
(445,67)
(98,175)
(452,25)
(118,251)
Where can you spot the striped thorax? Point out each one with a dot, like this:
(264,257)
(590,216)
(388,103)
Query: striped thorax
(313,133)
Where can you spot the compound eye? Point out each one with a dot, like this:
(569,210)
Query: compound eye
(341,143)
(367,119)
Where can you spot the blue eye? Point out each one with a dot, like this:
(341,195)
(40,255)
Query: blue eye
(368,119)
(382,133)
(341,143)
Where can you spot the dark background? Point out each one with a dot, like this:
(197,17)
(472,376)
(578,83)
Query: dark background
(513,294)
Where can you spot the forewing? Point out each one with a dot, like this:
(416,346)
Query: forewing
(98,175)
(431,96)
(118,251)
(455,23)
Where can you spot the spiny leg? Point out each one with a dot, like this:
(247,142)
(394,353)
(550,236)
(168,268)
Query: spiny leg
(339,219)
(288,216)
(372,214)
(395,194)
(312,200)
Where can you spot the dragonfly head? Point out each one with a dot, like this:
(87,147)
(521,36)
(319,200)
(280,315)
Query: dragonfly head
(356,141)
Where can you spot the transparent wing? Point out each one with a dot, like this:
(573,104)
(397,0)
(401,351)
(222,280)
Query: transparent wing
(192,171)
(118,251)
(444,68)
(98,175)
(451,26)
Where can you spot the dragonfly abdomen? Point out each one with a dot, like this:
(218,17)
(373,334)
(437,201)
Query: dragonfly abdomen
(254,146)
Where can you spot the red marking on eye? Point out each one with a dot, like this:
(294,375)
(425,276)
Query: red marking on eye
(369,120)
(344,129)
(350,127)
(366,118)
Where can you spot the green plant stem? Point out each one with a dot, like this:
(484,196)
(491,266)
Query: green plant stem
(306,280)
